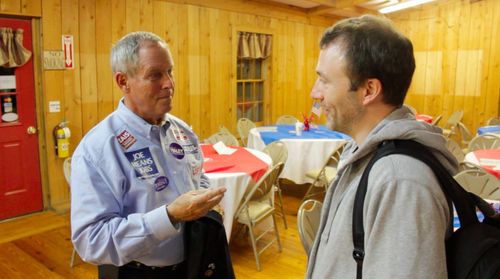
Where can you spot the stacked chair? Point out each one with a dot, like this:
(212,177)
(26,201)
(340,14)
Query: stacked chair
(480,183)
(463,166)
(455,149)
(485,141)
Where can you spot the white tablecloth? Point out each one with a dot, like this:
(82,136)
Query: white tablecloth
(303,154)
(236,185)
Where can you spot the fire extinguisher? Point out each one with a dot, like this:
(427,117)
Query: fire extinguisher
(61,136)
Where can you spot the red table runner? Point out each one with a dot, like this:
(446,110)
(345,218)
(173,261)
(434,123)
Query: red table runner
(240,161)
(424,117)
(489,154)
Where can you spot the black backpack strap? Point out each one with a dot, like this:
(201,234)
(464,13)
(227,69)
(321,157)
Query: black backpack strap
(464,205)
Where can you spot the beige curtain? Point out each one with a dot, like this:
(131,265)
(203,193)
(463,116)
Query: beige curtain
(254,45)
(12,52)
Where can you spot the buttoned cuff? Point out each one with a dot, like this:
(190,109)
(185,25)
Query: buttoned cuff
(159,223)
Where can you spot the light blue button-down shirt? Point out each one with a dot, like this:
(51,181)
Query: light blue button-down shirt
(124,172)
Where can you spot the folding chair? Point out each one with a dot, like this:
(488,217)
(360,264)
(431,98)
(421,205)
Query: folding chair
(485,141)
(436,120)
(244,126)
(493,121)
(286,120)
(257,206)
(480,183)
(465,135)
(279,153)
(324,176)
(308,218)
(225,137)
(451,124)
(67,176)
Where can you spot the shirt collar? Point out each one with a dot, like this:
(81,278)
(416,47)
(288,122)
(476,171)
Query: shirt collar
(138,123)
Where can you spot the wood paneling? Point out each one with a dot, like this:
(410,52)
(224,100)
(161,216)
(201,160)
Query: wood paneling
(457,51)
(203,45)
(456,44)
(21,7)
(53,89)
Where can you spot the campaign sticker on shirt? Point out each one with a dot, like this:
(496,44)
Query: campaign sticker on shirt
(176,150)
(180,135)
(161,183)
(197,170)
(126,139)
(143,163)
(190,149)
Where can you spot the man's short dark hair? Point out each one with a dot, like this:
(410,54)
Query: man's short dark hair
(374,49)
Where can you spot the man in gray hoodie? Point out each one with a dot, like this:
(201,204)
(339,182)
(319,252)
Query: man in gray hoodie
(364,70)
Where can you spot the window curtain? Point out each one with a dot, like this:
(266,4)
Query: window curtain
(254,45)
(12,52)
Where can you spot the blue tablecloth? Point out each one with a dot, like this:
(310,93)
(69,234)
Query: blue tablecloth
(288,132)
(488,129)
(494,204)
(456,221)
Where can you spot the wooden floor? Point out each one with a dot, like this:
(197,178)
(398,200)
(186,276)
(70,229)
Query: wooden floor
(39,246)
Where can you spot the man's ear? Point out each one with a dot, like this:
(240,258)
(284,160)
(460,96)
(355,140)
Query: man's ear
(122,81)
(373,91)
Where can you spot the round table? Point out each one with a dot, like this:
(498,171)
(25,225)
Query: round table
(423,118)
(488,129)
(306,152)
(489,159)
(235,180)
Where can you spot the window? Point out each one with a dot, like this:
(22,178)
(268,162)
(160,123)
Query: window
(250,84)
(252,79)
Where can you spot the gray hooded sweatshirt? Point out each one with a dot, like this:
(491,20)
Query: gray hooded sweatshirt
(406,215)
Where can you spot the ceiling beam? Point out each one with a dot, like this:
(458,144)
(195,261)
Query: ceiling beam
(339,4)
(346,12)
(258,8)
(329,3)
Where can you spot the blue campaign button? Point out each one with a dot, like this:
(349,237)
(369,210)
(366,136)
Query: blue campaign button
(176,150)
(161,183)
(143,163)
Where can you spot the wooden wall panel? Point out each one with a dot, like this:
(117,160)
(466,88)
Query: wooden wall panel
(118,30)
(10,6)
(71,90)
(21,7)
(181,105)
(88,68)
(457,49)
(53,90)
(103,40)
(202,43)
(456,42)
(31,7)
(194,65)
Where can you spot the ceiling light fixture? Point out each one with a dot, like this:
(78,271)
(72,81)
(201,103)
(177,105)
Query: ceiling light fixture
(403,5)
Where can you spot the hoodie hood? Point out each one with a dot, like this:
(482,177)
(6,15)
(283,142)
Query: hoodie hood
(401,124)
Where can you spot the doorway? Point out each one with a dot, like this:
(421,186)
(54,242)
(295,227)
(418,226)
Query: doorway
(20,181)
